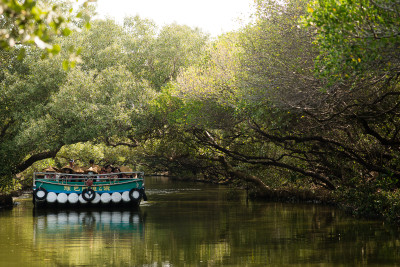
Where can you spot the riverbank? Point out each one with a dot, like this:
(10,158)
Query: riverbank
(361,202)
(284,194)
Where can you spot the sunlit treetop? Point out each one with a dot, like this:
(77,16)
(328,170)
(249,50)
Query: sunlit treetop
(355,36)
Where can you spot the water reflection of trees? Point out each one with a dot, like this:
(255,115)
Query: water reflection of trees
(279,234)
(292,234)
(196,228)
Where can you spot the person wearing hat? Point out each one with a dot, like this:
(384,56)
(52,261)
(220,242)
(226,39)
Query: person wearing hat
(126,172)
(93,171)
(116,176)
(71,163)
(78,170)
(50,173)
(68,170)
(108,170)
(94,166)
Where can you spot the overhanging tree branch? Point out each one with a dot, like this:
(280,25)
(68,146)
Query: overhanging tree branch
(36,157)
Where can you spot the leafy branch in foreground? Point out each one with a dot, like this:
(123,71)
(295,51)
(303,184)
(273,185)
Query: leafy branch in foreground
(31,22)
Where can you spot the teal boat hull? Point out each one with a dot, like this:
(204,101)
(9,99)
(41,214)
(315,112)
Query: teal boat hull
(123,193)
(80,186)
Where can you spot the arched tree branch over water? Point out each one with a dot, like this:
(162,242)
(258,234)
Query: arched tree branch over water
(36,157)
(108,97)
(260,101)
(207,139)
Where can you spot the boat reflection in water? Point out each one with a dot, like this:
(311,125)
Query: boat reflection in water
(88,238)
(79,222)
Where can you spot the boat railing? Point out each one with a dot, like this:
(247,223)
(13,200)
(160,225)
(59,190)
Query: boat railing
(84,178)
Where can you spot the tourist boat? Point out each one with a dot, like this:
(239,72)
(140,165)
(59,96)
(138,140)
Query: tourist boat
(122,189)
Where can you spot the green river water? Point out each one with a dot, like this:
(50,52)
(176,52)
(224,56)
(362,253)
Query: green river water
(193,224)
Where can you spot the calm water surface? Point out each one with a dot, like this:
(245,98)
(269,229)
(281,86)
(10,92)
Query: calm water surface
(190,224)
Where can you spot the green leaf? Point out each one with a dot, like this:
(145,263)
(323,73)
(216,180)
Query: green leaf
(65,65)
(21,54)
(56,49)
(66,32)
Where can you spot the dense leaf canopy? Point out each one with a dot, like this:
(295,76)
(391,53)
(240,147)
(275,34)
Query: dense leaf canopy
(305,97)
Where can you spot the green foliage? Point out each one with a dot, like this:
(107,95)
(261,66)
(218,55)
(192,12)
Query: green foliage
(151,54)
(107,98)
(209,91)
(247,107)
(368,200)
(176,47)
(8,184)
(278,57)
(102,155)
(355,36)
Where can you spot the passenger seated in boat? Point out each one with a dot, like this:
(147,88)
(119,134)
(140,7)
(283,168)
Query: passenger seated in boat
(126,172)
(96,169)
(116,177)
(101,177)
(78,178)
(71,164)
(50,173)
(66,174)
(92,172)
(108,170)
(94,166)
(68,170)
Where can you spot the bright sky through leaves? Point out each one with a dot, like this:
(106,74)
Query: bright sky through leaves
(212,16)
